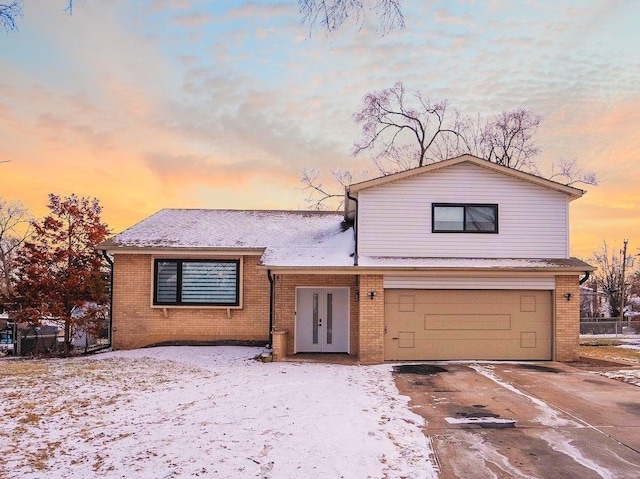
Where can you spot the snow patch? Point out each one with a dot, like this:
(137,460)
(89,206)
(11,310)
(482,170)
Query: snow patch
(563,445)
(479,420)
(631,376)
(548,415)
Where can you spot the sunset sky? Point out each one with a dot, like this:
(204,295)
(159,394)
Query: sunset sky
(196,104)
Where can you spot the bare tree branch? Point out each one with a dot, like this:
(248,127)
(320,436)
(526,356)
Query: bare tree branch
(400,133)
(608,276)
(330,15)
(15,227)
(11,11)
(320,198)
(567,172)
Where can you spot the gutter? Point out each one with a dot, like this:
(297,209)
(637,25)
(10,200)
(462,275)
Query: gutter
(355,228)
(586,277)
(271,301)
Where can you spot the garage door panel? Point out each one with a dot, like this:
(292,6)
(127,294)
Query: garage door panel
(476,297)
(446,324)
(471,322)
(456,350)
(471,335)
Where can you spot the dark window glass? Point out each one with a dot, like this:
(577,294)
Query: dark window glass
(448,218)
(480,218)
(166,281)
(464,218)
(203,282)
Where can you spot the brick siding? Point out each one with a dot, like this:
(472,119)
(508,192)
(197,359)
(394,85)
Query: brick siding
(137,324)
(371,340)
(567,318)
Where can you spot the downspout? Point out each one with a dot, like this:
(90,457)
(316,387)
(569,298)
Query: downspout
(586,277)
(105,255)
(355,227)
(271,291)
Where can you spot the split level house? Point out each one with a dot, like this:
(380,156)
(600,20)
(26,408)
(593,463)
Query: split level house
(461,259)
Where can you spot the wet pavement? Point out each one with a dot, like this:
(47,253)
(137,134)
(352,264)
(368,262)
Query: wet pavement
(546,420)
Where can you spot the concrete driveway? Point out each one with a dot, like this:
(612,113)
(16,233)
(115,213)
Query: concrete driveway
(546,420)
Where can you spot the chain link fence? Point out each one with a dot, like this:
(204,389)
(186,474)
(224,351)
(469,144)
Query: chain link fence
(613,327)
(23,340)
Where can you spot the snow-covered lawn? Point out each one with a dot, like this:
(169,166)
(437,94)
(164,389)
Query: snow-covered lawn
(205,411)
(623,348)
(631,376)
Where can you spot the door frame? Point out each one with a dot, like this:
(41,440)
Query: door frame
(295,318)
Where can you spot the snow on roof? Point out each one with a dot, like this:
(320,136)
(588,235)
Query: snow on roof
(289,238)
(473,263)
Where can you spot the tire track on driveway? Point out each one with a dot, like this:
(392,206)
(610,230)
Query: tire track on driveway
(565,425)
(548,408)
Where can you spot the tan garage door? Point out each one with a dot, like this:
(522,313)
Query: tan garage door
(454,324)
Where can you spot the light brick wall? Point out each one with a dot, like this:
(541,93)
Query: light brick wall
(567,318)
(137,324)
(285,311)
(371,339)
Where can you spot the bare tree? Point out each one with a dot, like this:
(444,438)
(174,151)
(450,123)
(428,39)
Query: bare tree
(15,227)
(608,276)
(11,11)
(508,139)
(319,196)
(403,131)
(400,136)
(330,15)
(634,292)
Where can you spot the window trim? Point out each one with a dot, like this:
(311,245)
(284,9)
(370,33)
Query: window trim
(464,207)
(237,304)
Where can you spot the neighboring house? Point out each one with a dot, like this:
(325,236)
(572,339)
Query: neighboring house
(462,259)
(594,303)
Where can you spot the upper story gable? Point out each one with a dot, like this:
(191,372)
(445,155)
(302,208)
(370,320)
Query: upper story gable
(464,207)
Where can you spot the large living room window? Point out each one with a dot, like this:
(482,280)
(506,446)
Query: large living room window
(182,282)
(464,218)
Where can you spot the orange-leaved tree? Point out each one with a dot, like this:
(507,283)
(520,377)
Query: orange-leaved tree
(60,276)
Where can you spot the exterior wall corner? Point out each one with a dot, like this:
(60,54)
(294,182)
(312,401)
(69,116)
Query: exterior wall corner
(371,337)
(567,318)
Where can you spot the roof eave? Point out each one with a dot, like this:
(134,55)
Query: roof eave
(172,250)
(421,270)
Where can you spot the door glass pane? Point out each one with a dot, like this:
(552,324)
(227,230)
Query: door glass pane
(448,218)
(481,218)
(315,318)
(329,325)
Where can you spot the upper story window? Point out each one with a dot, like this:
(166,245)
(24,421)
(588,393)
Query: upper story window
(464,218)
(196,282)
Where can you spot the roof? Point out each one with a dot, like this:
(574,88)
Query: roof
(353,189)
(293,240)
(285,238)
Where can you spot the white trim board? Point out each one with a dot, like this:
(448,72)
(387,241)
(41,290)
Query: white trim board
(546,283)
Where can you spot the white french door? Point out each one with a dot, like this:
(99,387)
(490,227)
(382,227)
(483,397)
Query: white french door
(322,320)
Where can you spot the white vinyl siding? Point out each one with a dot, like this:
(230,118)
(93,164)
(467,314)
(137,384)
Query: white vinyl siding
(394,219)
(545,283)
